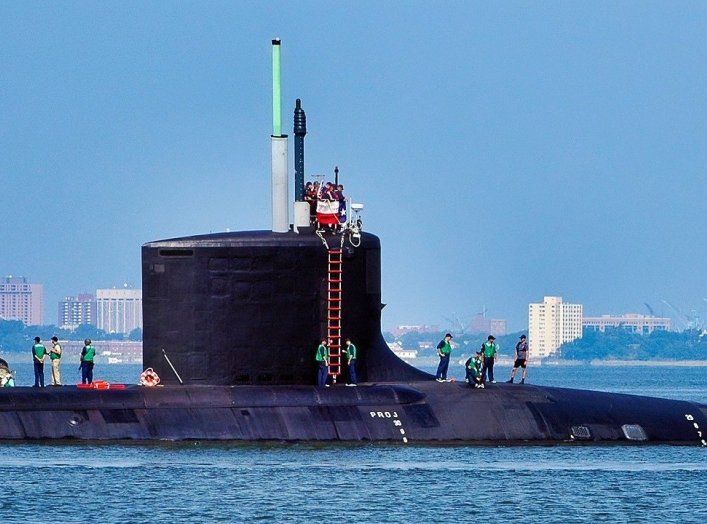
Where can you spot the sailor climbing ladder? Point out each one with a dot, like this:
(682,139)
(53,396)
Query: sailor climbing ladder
(334,293)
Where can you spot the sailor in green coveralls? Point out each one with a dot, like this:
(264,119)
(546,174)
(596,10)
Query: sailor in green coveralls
(322,358)
(87,354)
(39,353)
(489,350)
(444,350)
(350,352)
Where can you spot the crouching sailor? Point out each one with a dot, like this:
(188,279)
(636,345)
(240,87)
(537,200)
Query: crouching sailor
(7,380)
(473,371)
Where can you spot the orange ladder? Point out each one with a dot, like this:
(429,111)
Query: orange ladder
(334,292)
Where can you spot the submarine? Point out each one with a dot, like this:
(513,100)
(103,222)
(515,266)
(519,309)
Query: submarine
(231,324)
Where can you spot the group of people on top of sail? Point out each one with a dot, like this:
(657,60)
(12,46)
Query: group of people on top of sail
(327,204)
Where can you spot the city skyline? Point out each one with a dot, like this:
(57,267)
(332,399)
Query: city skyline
(503,151)
(676,320)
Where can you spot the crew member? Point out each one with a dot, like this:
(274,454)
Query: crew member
(473,371)
(521,359)
(489,350)
(350,352)
(55,357)
(87,354)
(322,359)
(444,350)
(39,353)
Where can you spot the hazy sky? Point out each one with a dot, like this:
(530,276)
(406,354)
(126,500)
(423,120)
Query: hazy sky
(503,150)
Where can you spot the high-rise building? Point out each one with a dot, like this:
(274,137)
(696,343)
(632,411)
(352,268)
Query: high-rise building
(20,300)
(551,324)
(74,311)
(118,310)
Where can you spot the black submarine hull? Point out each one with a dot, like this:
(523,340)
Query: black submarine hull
(414,412)
(241,314)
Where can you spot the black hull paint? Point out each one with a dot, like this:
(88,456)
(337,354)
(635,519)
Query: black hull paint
(418,412)
(241,314)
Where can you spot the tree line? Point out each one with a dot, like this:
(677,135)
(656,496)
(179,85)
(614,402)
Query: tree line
(622,345)
(15,337)
(611,344)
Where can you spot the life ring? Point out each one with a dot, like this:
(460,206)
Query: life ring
(149,378)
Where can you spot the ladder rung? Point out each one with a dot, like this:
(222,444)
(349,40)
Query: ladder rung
(334,291)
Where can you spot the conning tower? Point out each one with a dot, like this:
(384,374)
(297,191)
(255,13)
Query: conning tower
(251,307)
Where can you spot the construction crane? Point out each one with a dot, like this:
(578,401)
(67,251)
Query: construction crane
(691,321)
(677,312)
(455,324)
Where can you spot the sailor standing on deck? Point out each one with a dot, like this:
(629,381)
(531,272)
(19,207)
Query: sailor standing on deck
(87,354)
(521,359)
(489,349)
(39,353)
(350,352)
(322,359)
(444,350)
(55,357)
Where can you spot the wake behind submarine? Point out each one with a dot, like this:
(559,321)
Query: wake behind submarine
(239,315)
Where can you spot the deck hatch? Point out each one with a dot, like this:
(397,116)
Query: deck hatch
(581,432)
(634,432)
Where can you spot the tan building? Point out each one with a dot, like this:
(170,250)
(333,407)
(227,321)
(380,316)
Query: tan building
(479,324)
(551,324)
(20,300)
(630,322)
(118,310)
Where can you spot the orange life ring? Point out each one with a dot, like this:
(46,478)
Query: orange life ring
(149,378)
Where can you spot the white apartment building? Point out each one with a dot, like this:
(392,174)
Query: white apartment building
(551,324)
(118,310)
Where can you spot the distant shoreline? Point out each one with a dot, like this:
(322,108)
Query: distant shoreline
(432,361)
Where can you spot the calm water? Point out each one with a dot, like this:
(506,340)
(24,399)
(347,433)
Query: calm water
(197,482)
